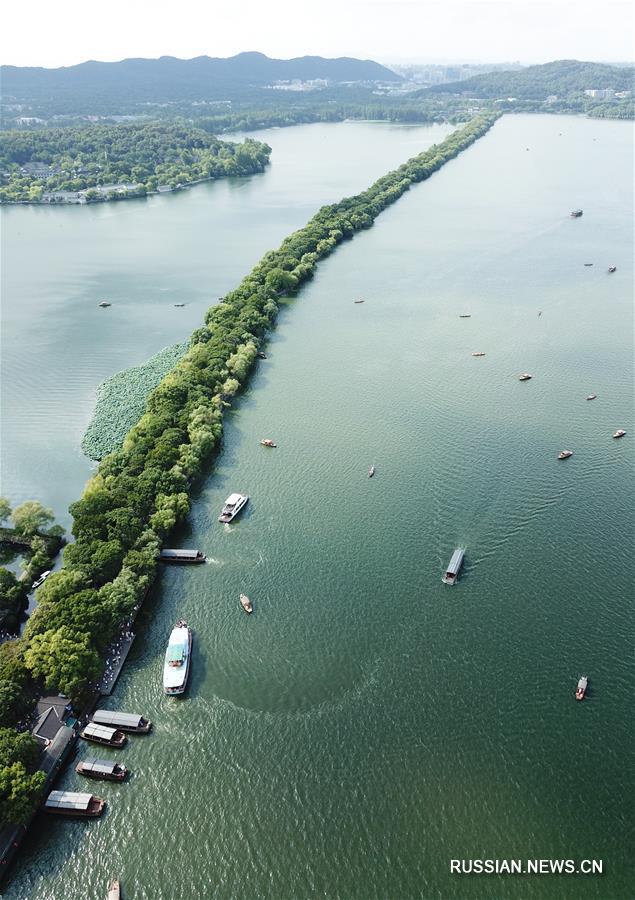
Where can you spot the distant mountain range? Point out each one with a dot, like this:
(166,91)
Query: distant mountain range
(92,84)
(560,78)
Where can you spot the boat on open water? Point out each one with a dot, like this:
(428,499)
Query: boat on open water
(478,353)
(525,377)
(124,721)
(592,397)
(612,269)
(619,433)
(580,691)
(565,454)
(182,556)
(74,803)
(267,442)
(101,770)
(246,603)
(114,890)
(100,734)
(454,566)
(576,213)
(233,505)
(176,668)
(371,471)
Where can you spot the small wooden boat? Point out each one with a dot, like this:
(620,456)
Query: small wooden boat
(124,721)
(114,891)
(371,471)
(525,377)
(478,353)
(267,442)
(619,433)
(246,603)
(565,454)
(358,301)
(104,304)
(454,566)
(102,770)
(612,268)
(99,734)
(74,803)
(592,397)
(261,354)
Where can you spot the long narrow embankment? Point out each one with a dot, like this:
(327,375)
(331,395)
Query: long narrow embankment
(141,491)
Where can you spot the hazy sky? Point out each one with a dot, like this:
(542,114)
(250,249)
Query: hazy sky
(45,33)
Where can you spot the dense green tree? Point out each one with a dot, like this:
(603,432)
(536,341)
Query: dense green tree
(64,660)
(30,517)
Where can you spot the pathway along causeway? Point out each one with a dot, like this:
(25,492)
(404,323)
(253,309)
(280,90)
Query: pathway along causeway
(140,492)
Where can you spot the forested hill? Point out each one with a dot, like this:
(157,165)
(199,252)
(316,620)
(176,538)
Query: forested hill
(108,84)
(560,78)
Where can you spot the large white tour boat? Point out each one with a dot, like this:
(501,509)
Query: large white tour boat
(232,507)
(177,659)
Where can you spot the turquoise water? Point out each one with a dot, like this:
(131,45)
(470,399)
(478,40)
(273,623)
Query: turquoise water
(368,724)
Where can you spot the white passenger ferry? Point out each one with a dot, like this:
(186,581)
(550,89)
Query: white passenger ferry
(232,507)
(177,659)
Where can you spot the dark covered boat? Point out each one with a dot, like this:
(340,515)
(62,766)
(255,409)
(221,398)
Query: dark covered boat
(100,734)
(182,556)
(72,803)
(101,769)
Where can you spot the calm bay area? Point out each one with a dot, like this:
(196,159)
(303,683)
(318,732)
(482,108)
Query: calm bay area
(367,724)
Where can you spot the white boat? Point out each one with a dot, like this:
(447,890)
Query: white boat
(176,668)
(114,891)
(232,507)
(565,454)
(246,603)
(525,377)
(41,579)
(619,433)
(452,571)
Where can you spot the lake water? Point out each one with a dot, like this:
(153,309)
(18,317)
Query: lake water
(368,724)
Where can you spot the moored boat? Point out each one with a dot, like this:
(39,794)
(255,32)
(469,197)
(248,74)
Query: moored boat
(176,668)
(74,803)
(124,721)
(114,890)
(267,442)
(576,213)
(452,571)
(591,397)
(246,603)
(619,433)
(233,505)
(580,691)
(525,377)
(261,354)
(100,734)
(565,454)
(101,770)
